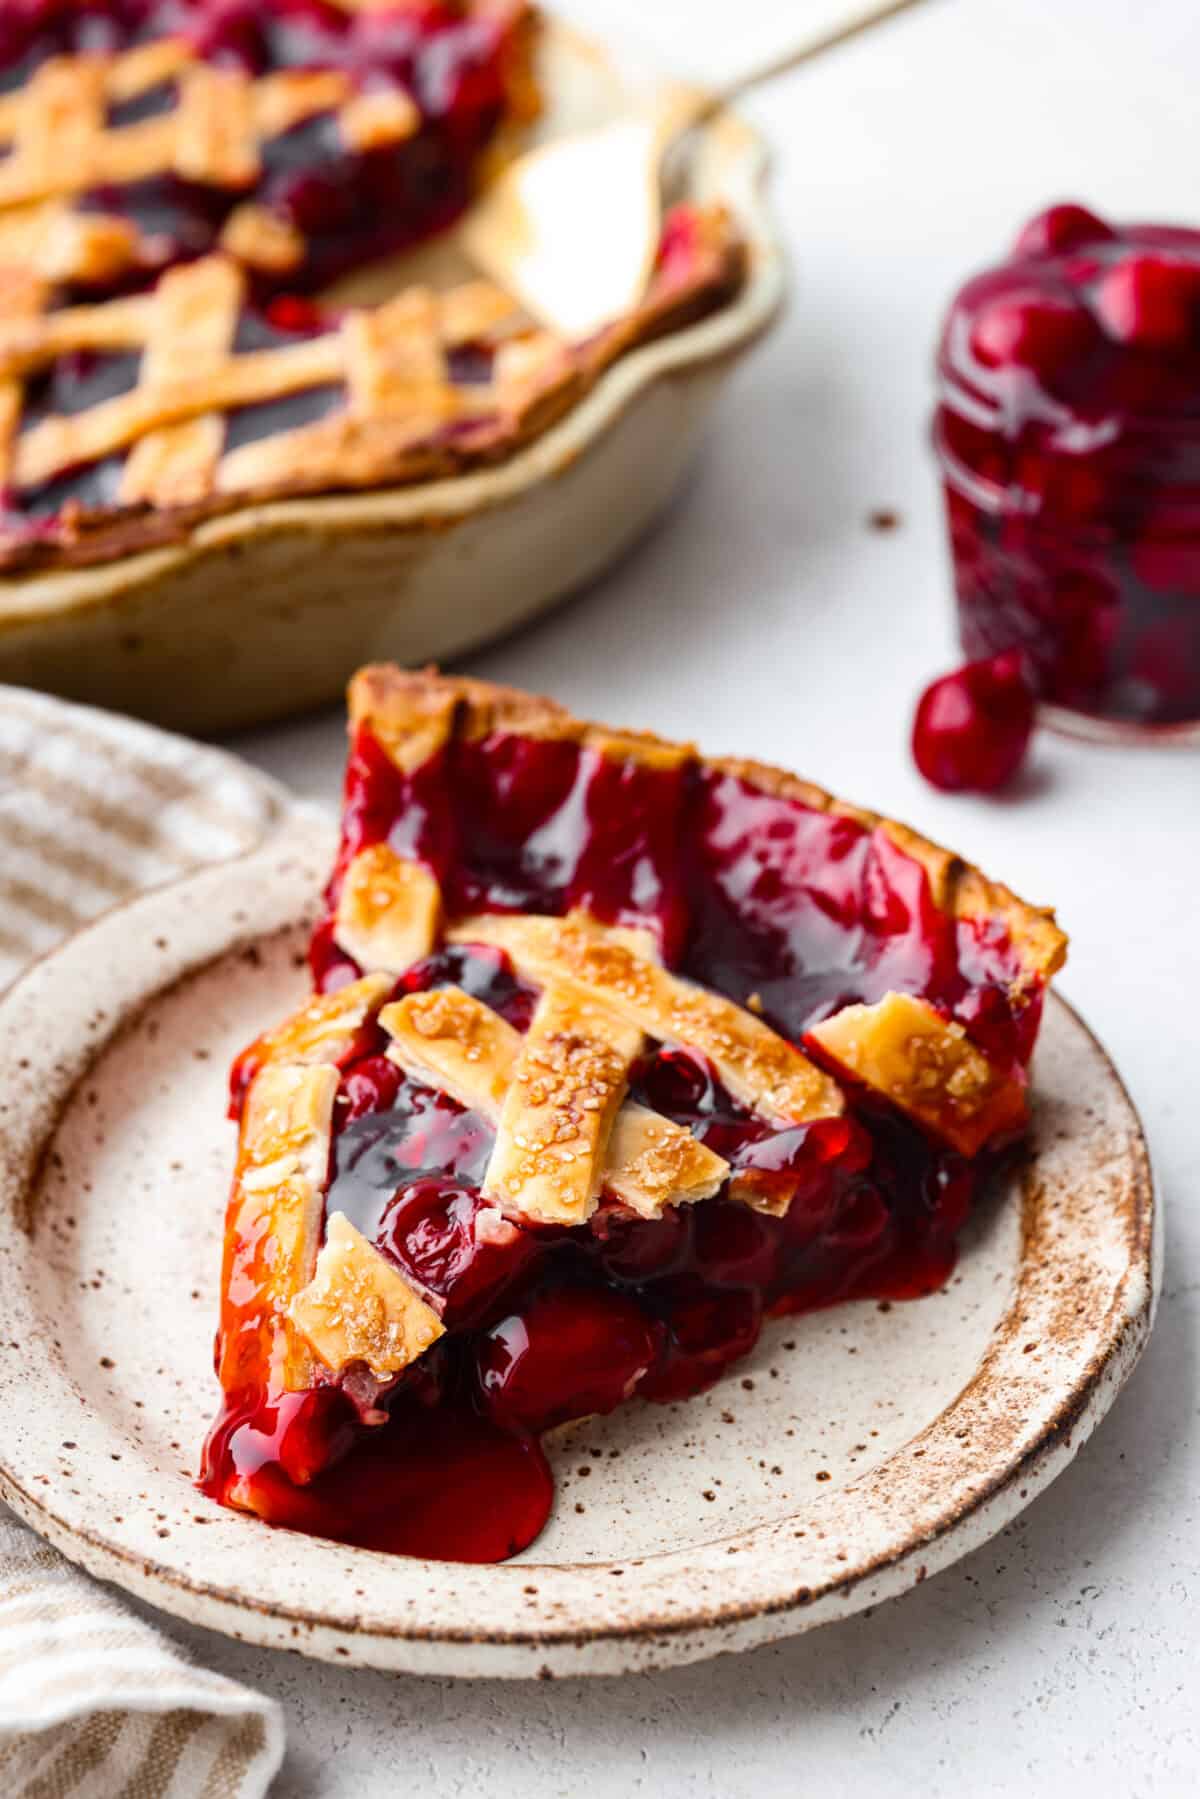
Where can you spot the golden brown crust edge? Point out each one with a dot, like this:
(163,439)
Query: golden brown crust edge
(423,706)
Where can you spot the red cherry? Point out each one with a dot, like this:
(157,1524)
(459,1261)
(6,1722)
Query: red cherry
(862,1217)
(1037,331)
(370,1086)
(232,32)
(1151,302)
(291,313)
(734,1246)
(709,1328)
(949,1189)
(972,727)
(570,1352)
(1166,560)
(314,202)
(637,1249)
(303,1432)
(1063,227)
(455,1245)
(679,1083)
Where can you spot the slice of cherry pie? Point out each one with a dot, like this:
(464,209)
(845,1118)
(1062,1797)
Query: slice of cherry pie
(614,1052)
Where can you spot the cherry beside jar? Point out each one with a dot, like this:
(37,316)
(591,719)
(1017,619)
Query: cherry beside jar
(1068,435)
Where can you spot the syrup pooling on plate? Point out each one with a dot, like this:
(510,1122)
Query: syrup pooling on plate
(793,911)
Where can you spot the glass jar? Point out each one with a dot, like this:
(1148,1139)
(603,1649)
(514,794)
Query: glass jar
(1068,436)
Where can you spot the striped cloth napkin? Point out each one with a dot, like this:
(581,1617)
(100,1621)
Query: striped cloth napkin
(95,1702)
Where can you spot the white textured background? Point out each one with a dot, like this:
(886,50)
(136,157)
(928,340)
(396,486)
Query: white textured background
(766,618)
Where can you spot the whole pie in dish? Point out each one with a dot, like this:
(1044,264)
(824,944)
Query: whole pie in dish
(178,176)
(614,1053)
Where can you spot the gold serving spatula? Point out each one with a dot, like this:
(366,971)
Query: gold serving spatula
(572,227)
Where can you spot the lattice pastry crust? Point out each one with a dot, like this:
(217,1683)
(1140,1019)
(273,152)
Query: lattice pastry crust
(407,412)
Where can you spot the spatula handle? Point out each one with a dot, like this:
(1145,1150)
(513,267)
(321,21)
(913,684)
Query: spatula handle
(859,19)
(678,106)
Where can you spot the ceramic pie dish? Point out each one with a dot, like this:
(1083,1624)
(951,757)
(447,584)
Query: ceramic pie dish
(937,1421)
(219,501)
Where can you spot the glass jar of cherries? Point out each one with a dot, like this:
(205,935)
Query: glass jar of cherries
(1068,433)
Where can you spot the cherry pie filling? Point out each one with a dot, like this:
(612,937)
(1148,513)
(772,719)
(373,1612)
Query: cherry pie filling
(795,913)
(81,380)
(1068,431)
(338,204)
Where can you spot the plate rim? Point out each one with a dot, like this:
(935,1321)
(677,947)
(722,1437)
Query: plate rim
(275,879)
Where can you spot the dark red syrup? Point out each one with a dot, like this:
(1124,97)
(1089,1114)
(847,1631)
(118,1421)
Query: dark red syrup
(1068,431)
(439,1479)
(753,894)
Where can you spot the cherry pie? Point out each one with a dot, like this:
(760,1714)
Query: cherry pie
(178,173)
(614,1051)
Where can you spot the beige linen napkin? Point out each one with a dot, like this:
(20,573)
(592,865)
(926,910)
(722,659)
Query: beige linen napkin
(95,1702)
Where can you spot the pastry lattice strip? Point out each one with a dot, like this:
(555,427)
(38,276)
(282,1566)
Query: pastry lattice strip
(342,1301)
(557,1095)
(61,145)
(339,1301)
(392,361)
(761,1069)
(565,1133)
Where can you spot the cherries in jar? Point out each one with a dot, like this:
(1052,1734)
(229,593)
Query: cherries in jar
(1068,433)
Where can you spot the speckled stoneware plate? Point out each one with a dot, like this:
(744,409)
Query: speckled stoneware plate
(857,1451)
(268,610)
